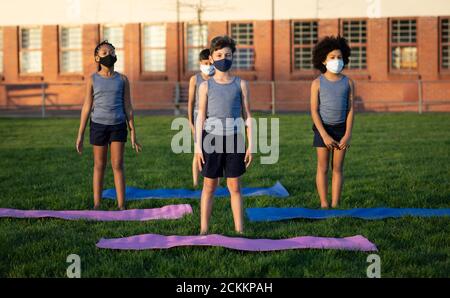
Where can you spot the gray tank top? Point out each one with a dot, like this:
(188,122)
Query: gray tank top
(198,81)
(108,105)
(333,100)
(224,101)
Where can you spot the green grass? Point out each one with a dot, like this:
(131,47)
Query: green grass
(396,160)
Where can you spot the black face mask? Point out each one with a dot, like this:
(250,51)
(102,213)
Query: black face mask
(108,60)
(223,64)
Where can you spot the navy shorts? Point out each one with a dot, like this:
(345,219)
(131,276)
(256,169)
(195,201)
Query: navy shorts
(102,135)
(226,163)
(336,131)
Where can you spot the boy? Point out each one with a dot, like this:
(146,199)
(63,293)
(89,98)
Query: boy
(223,100)
(206,70)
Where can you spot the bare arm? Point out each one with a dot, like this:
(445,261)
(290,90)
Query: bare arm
(248,121)
(87,107)
(129,113)
(345,141)
(351,110)
(315,108)
(202,104)
(127,104)
(85,112)
(191,99)
(246,111)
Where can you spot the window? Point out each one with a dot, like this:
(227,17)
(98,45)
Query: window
(355,31)
(304,37)
(70,53)
(30,50)
(1,50)
(445,44)
(197,40)
(403,44)
(154,48)
(114,34)
(244,57)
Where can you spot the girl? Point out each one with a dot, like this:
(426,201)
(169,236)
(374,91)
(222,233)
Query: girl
(206,71)
(332,113)
(108,97)
(223,101)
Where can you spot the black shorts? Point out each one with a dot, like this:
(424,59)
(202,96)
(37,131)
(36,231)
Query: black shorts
(336,131)
(225,163)
(102,135)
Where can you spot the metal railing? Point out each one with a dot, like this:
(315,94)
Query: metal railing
(17,91)
(34,90)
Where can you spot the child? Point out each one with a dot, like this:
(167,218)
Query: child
(223,100)
(206,70)
(332,113)
(108,97)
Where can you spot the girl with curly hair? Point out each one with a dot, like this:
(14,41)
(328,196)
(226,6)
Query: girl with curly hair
(332,112)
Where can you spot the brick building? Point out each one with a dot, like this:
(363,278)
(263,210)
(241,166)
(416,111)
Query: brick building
(400,49)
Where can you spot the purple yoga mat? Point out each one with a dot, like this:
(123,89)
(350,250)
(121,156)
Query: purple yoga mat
(166,212)
(155,241)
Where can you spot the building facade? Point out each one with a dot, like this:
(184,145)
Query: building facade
(400,49)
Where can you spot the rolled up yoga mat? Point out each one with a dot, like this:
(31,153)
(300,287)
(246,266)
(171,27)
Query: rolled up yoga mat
(132,193)
(276,214)
(155,241)
(166,212)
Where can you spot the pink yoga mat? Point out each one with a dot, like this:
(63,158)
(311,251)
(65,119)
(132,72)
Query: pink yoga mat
(166,212)
(155,241)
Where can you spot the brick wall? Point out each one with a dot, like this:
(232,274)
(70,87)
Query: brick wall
(377,88)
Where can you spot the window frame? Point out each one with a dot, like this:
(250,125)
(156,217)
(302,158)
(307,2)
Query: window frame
(252,69)
(401,44)
(186,46)
(60,50)
(2,50)
(359,44)
(122,49)
(142,48)
(29,74)
(295,71)
(441,45)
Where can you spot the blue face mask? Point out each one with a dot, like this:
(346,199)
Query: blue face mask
(223,64)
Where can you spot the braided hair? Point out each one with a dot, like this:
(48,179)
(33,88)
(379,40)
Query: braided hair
(97,48)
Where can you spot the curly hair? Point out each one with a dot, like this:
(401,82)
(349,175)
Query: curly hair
(220,42)
(327,45)
(97,48)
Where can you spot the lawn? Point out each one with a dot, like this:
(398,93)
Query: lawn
(396,160)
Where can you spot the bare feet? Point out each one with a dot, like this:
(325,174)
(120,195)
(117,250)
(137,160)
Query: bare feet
(324,205)
(203,233)
(96,207)
(122,208)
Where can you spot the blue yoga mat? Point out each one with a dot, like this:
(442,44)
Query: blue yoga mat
(133,193)
(277,214)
